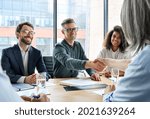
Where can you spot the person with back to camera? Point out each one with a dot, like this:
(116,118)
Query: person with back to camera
(134,86)
(8,94)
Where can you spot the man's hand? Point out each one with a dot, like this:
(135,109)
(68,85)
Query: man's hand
(42,98)
(95,77)
(98,65)
(107,74)
(31,79)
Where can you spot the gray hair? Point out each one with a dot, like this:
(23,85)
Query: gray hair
(135,19)
(67,21)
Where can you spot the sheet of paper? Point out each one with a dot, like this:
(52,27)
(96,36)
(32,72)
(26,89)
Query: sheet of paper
(49,84)
(32,92)
(99,91)
(22,86)
(78,82)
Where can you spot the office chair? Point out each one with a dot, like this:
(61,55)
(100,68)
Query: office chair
(48,60)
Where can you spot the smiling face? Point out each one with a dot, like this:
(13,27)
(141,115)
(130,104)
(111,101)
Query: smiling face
(70,31)
(26,35)
(115,39)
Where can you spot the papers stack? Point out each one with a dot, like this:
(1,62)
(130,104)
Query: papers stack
(81,84)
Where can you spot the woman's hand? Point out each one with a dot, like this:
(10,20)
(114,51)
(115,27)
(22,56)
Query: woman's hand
(42,98)
(110,88)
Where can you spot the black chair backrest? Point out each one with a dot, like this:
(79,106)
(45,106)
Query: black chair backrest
(48,60)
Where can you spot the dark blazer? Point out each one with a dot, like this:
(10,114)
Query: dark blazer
(13,65)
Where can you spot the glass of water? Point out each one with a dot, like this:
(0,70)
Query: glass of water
(40,84)
(40,81)
(114,74)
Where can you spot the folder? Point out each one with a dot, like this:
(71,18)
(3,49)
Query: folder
(86,87)
(81,84)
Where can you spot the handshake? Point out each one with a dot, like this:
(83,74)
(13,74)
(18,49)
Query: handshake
(98,65)
(101,64)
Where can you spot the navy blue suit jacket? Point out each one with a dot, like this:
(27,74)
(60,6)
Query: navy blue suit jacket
(13,65)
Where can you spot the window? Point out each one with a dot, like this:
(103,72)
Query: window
(88,15)
(114,10)
(39,13)
(6,42)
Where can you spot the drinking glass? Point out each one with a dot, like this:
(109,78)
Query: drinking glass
(40,82)
(114,74)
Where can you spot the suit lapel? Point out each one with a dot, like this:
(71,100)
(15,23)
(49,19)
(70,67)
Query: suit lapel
(18,57)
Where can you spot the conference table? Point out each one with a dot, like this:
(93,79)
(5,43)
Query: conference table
(59,94)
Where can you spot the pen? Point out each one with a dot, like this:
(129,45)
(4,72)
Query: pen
(36,96)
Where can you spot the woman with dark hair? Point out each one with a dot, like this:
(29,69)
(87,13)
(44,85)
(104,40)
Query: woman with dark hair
(115,40)
(115,45)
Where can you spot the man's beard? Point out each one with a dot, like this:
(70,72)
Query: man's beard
(73,37)
(25,42)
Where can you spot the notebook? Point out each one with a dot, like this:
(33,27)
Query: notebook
(81,84)
(85,87)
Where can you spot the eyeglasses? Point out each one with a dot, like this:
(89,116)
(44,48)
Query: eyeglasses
(71,29)
(26,32)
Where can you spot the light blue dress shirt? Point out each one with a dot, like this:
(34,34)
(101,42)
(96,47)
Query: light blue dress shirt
(135,85)
(7,93)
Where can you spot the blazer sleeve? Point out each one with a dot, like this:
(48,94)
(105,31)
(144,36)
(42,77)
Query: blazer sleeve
(6,66)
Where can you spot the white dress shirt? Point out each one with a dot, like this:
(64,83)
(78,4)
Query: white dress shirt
(25,55)
(105,53)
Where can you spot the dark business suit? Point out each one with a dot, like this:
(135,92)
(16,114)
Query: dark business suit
(13,65)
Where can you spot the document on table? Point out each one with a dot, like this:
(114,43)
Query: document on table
(86,87)
(99,91)
(79,82)
(33,92)
(22,86)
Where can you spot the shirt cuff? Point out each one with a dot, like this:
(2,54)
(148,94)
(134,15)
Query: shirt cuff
(21,79)
(83,63)
(108,97)
(92,72)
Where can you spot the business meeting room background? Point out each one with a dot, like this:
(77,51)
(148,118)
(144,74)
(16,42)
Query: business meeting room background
(47,15)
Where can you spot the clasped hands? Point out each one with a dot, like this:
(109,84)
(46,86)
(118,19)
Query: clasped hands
(98,65)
